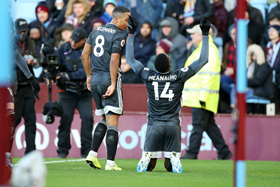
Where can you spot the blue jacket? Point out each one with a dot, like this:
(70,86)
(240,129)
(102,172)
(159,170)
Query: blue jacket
(149,10)
(144,49)
(78,75)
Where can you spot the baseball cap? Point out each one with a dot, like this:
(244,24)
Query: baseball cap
(109,1)
(165,22)
(21,25)
(78,34)
(195,29)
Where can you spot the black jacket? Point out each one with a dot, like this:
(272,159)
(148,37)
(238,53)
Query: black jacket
(29,50)
(203,9)
(262,81)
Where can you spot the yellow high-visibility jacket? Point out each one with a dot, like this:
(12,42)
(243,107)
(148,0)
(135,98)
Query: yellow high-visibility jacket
(205,85)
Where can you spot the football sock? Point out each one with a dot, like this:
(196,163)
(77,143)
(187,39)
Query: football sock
(111,163)
(149,168)
(169,167)
(112,142)
(93,153)
(98,135)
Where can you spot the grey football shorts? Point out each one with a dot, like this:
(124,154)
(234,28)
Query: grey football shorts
(163,136)
(112,105)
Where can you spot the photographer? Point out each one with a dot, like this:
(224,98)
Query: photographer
(73,94)
(24,93)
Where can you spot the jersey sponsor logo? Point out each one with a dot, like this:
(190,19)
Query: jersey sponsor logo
(109,30)
(122,43)
(162,78)
(185,69)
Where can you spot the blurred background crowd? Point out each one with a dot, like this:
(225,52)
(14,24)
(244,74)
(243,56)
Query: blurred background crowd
(162,28)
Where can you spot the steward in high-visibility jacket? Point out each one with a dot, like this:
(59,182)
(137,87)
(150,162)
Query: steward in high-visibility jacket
(205,85)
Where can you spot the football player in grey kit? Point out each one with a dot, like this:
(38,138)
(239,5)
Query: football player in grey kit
(164,101)
(106,44)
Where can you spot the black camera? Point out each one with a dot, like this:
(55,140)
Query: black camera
(49,57)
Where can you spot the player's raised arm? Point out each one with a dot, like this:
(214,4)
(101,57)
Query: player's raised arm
(134,64)
(203,59)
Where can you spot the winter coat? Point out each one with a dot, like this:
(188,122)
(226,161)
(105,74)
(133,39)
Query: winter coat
(203,9)
(178,48)
(53,24)
(261,78)
(144,48)
(220,19)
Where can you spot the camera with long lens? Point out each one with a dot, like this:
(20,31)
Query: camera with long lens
(49,57)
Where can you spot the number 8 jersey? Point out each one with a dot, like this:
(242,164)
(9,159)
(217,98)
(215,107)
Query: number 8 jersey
(105,40)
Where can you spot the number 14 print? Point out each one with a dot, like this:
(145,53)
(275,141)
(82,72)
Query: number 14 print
(164,93)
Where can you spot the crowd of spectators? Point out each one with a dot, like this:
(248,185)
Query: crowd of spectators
(162,28)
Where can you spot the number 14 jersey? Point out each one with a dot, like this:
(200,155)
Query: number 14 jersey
(165,92)
(105,40)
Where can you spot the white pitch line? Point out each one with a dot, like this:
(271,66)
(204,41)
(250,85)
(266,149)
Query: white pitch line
(61,161)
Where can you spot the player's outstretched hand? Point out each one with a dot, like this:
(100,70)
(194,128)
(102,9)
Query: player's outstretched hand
(110,91)
(132,25)
(205,25)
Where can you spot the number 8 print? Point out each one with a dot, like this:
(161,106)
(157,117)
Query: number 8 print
(99,45)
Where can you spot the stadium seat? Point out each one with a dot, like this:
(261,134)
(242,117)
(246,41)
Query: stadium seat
(24,9)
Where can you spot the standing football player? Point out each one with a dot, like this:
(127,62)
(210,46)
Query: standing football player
(104,80)
(164,101)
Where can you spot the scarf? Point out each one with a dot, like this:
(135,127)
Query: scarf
(189,8)
(272,51)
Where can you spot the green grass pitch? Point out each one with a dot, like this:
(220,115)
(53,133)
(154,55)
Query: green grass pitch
(196,173)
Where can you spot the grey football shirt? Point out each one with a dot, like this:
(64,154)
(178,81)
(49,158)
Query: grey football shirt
(165,92)
(105,40)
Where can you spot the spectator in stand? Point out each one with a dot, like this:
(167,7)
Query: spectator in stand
(57,10)
(273,51)
(78,14)
(149,11)
(95,11)
(254,13)
(275,9)
(43,18)
(144,44)
(108,6)
(35,35)
(63,34)
(220,18)
(96,22)
(274,19)
(194,11)
(128,75)
(175,9)
(229,63)
(163,46)
(169,28)
(259,77)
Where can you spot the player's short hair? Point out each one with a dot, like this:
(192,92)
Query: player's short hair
(119,10)
(162,62)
